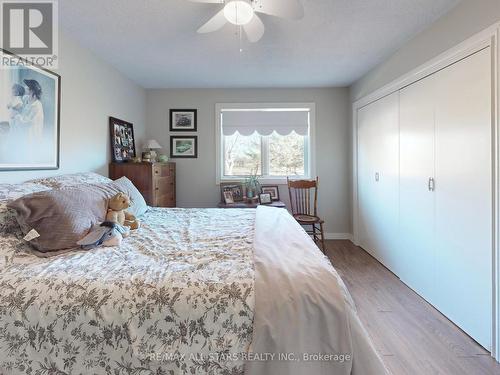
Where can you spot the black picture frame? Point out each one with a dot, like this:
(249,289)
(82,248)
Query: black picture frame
(228,197)
(174,154)
(175,125)
(235,188)
(25,64)
(274,190)
(122,138)
(265,198)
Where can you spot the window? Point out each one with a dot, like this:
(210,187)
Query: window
(242,154)
(274,155)
(269,141)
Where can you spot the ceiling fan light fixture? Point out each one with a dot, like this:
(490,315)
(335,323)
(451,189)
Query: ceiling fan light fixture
(238,12)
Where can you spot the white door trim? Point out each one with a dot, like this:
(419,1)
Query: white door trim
(488,37)
(495,349)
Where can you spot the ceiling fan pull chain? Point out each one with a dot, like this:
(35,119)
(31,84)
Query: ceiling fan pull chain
(241,47)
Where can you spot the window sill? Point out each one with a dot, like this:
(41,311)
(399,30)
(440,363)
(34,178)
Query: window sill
(262,180)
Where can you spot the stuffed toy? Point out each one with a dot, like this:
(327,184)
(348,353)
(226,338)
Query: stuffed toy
(106,234)
(117,213)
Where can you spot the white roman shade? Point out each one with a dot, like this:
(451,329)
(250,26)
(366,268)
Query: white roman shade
(265,121)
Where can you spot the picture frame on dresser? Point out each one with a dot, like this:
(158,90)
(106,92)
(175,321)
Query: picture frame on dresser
(122,140)
(30,119)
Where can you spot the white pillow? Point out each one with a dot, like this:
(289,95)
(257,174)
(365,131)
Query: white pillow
(138,205)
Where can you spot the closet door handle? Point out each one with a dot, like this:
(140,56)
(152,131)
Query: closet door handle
(431,185)
(377,177)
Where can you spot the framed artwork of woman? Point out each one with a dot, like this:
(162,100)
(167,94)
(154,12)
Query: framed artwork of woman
(29,116)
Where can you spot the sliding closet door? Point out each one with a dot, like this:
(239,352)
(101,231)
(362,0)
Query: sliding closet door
(378,169)
(367,167)
(416,193)
(464,195)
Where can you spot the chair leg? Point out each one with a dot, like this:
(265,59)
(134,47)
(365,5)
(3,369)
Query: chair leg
(315,236)
(322,238)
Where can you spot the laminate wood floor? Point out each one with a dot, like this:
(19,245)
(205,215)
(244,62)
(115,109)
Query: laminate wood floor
(410,335)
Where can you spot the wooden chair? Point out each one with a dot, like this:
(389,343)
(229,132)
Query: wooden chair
(304,204)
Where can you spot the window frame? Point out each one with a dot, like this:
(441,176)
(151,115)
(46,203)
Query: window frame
(309,149)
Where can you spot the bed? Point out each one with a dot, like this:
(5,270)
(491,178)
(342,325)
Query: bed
(193,291)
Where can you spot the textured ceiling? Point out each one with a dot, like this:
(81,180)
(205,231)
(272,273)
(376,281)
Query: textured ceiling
(154,42)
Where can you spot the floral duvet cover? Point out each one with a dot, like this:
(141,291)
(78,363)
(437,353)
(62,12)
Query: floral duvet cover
(176,298)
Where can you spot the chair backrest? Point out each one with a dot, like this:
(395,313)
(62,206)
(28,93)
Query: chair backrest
(303,196)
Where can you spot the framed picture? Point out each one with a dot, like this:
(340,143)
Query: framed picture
(30,107)
(122,140)
(273,190)
(228,197)
(235,189)
(265,198)
(184,120)
(183,146)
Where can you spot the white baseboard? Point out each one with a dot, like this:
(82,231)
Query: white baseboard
(338,236)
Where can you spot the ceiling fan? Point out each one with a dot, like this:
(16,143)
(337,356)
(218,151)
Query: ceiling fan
(243,13)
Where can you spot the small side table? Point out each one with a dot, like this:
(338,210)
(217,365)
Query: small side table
(277,204)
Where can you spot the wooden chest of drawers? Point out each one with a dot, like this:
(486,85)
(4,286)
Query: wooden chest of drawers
(155,181)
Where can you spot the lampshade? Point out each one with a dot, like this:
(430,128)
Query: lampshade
(152,144)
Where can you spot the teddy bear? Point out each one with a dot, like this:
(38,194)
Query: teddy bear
(117,213)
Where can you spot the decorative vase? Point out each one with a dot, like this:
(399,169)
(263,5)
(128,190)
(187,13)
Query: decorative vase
(162,158)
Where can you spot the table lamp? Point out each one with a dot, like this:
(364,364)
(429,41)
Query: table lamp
(152,145)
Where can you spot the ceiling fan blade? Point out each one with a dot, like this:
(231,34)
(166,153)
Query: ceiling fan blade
(292,9)
(254,29)
(207,1)
(214,23)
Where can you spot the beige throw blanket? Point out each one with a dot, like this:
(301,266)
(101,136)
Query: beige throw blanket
(305,321)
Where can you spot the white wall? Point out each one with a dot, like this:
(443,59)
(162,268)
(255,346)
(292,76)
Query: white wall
(196,185)
(465,20)
(91,92)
